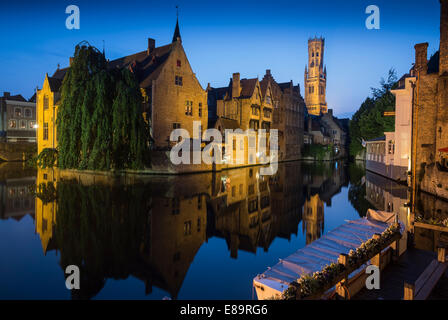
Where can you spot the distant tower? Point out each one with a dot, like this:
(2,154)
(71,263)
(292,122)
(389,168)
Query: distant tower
(316,78)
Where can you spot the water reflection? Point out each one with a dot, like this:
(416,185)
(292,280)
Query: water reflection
(17,197)
(151,228)
(386,195)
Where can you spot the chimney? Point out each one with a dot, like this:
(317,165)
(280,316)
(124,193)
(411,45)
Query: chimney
(268,72)
(71,61)
(443,63)
(151,45)
(421,57)
(330,112)
(6,94)
(236,85)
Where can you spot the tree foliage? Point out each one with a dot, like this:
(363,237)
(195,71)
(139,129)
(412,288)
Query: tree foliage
(47,158)
(100,124)
(368,122)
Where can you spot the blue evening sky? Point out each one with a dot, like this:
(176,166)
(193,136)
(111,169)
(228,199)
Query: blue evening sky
(224,37)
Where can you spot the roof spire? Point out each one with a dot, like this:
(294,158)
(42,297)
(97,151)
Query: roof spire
(176,31)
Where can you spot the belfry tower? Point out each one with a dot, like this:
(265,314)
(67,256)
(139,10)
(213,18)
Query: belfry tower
(316,78)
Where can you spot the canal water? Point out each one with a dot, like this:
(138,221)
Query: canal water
(198,236)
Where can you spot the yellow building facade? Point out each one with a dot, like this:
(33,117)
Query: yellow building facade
(47,100)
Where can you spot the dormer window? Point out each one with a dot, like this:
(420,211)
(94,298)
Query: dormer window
(268,100)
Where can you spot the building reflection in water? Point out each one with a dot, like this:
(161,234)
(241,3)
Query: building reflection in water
(16,191)
(152,229)
(388,195)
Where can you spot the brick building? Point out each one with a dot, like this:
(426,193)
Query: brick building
(266,104)
(287,117)
(315,78)
(172,95)
(430,114)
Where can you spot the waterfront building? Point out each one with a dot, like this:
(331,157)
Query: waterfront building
(315,78)
(17,118)
(17,197)
(430,114)
(419,142)
(47,101)
(287,115)
(390,155)
(241,104)
(172,95)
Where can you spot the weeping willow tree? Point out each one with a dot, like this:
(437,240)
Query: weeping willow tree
(100,124)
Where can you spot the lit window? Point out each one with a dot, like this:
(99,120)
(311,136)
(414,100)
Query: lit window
(178,81)
(22,124)
(13,124)
(188,108)
(31,124)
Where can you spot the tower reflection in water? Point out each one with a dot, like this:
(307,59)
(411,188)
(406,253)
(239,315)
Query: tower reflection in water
(151,228)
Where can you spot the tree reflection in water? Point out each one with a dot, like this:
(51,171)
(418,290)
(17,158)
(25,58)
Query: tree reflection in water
(153,229)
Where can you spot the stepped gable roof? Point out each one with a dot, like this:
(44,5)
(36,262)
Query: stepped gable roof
(275,89)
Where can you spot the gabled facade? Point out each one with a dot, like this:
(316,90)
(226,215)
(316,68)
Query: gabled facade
(288,115)
(242,100)
(172,95)
(47,101)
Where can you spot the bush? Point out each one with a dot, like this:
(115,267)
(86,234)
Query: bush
(47,158)
(318,151)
